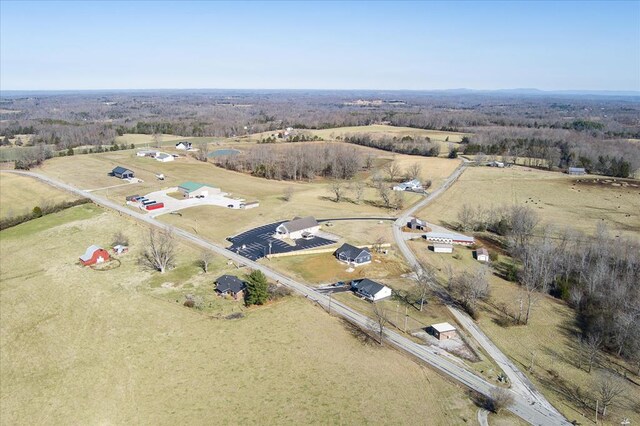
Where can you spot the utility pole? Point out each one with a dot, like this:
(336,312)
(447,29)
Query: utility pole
(405,318)
(596,411)
(329,303)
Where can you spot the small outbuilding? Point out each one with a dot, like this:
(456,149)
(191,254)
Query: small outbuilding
(163,157)
(442,248)
(354,255)
(482,255)
(93,255)
(417,224)
(296,228)
(577,171)
(122,173)
(443,331)
(370,290)
(120,249)
(228,284)
(183,145)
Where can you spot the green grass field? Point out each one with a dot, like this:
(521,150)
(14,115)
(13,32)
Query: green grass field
(20,194)
(82,346)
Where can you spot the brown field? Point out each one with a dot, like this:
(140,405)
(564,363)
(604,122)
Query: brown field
(90,172)
(20,194)
(556,197)
(83,346)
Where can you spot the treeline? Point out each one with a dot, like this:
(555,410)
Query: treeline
(296,138)
(559,149)
(39,211)
(404,145)
(292,162)
(598,275)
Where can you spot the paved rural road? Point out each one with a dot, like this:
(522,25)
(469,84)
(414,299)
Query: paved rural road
(535,414)
(520,384)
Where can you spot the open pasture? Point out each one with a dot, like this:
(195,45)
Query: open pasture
(559,199)
(83,346)
(20,194)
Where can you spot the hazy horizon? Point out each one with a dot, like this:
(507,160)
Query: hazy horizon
(412,46)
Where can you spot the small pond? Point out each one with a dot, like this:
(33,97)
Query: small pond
(223,152)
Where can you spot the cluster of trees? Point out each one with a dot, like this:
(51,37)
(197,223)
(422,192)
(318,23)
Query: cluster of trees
(32,157)
(296,162)
(302,137)
(404,145)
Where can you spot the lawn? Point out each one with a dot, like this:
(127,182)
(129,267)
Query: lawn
(80,346)
(558,199)
(20,194)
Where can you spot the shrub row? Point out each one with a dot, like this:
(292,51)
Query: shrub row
(39,212)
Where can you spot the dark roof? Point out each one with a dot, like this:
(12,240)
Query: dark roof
(367,286)
(350,251)
(229,283)
(120,170)
(300,223)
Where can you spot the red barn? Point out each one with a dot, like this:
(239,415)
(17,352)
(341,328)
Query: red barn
(93,255)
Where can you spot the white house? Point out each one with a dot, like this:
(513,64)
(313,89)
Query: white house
(164,157)
(447,238)
(577,171)
(370,290)
(482,255)
(411,185)
(442,248)
(297,228)
(499,164)
(183,145)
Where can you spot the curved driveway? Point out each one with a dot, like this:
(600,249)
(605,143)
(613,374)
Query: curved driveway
(535,414)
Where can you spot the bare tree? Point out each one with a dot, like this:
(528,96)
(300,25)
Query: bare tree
(159,252)
(157,140)
(538,271)
(393,170)
(337,188)
(592,344)
(523,221)
(467,289)
(499,399)
(368,161)
(202,154)
(424,281)
(465,218)
(205,259)
(414,171)
(377,245)
(398,200)
(381,320)
(385,194)
(119,238)
(608,389)
(358,191)
(288,194)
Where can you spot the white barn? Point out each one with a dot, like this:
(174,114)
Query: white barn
(449,238)
(442,248)
(482,255)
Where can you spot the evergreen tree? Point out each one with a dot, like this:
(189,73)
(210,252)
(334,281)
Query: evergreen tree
(256,292)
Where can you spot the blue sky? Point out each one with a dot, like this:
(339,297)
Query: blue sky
(320,45)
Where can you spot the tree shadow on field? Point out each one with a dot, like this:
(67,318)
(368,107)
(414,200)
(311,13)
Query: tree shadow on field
(361,335)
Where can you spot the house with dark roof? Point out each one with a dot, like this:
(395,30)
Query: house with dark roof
(352,254)
(417,224)
(299,227)
(183,145)
(228,284)
(482,255)
(370,290)
(122,173)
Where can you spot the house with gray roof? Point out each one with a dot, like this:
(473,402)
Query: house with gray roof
(370,289)
(228,284)
(299,227)
(352,254)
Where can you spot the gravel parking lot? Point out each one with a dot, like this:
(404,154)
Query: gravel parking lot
(172,204)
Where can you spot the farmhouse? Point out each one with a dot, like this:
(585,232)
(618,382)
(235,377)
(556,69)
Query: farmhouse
(482,254)
(146,153)
(417,224)
(122,173)
(228,284)
(297,228)
(164,157)
(446,238)
(499,164)
(194,189)
(184,145)
(370,290)
(93,255)
(442,248)
(411,185)
(443,331)
(577,171)
(351,254)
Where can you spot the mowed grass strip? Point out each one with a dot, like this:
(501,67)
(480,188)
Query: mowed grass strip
(20,194)
(84,347)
